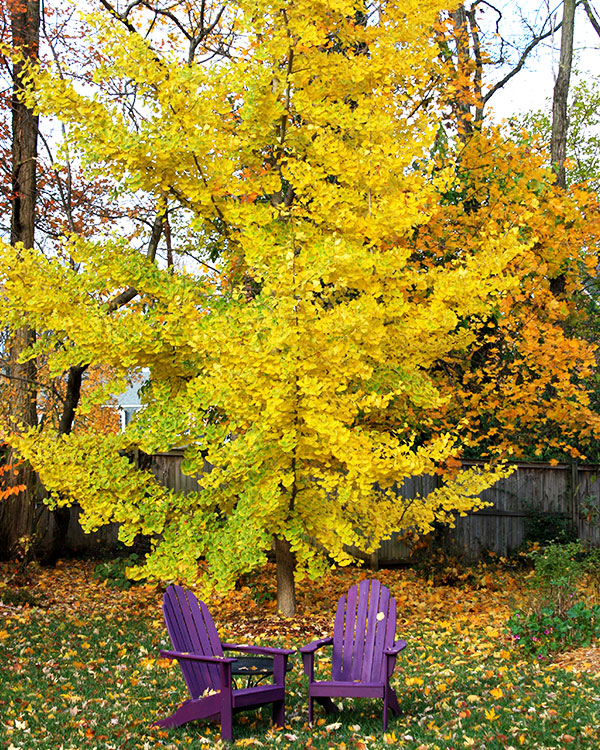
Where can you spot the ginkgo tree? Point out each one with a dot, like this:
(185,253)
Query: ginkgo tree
(291,366)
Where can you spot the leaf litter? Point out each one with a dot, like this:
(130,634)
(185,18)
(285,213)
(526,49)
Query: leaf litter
(82,668)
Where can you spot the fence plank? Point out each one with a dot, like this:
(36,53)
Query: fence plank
(567,489)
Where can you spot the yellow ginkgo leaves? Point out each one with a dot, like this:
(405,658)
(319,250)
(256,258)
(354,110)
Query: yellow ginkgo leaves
(300,367)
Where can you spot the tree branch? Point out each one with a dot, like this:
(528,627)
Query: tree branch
(126,296)
(122,17)
(478,61)
(530,47)
(590,13)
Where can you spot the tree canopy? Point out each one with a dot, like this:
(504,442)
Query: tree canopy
(327,270)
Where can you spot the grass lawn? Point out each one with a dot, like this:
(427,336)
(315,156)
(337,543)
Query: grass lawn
(80,669)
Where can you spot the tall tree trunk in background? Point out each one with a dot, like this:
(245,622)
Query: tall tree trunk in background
(62,516)
(17,512)
(560,120)
(462,104)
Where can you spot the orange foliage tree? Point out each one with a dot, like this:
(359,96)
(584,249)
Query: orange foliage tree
(523,386)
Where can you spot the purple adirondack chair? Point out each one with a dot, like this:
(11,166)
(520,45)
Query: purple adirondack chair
(364,651)
(208,674)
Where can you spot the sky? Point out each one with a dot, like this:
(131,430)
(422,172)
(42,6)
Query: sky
(532,87)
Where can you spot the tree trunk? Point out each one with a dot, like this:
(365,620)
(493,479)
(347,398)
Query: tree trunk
(62,516)
(462,105)
(560,117)
(73,394)
(286,588)
(17,514)
(25,27)
(560,120)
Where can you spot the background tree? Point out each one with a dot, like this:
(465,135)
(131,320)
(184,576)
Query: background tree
(529,377)
(487,45)
(63,201)
(558,142)
(22,17)
(523,385)
(583,144)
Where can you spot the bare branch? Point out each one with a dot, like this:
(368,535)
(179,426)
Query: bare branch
(524,55)
(122,17)
(478,60)
(590,13)
(65,198)
(195,38)
(167,14)
(126,296)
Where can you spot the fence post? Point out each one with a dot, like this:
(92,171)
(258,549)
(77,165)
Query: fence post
(574,493)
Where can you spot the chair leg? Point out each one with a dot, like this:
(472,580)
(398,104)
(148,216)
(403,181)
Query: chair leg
(226,722)
(279,713)
(310,710)
(328,704)
(389,701)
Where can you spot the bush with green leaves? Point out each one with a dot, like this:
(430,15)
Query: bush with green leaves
(558,571)
(593,571)
(543,632)
(557,618)
(114,571)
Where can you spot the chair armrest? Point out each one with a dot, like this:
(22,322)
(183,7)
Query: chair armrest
(266,650)
(391,654)
(395,649)
(196,657)
(312,647)
(308,656)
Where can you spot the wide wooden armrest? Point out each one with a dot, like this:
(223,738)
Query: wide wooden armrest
(396,648)
(312,647)
(196,657)
(266,650)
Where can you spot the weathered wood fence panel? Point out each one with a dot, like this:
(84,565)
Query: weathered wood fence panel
(586,504)
(501,527)
(560,489)
(166,467)
(570,490)
(533,487)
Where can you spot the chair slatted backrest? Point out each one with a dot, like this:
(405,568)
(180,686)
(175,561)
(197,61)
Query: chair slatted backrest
(365,625)
(192,630)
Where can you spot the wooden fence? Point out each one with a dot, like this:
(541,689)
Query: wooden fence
(571,491)
(567,491)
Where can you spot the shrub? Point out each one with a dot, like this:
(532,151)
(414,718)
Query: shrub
(544,631)
(558,569)
(113,571)
(556,618)
(547,527)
